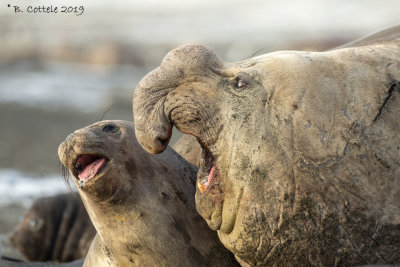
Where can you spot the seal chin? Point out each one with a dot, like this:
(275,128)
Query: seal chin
(216,220)
(88,166)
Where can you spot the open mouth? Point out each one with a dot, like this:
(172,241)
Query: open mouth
(89,166)
(208,171)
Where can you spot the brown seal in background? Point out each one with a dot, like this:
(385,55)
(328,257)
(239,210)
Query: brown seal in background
(55,228)
(141,205)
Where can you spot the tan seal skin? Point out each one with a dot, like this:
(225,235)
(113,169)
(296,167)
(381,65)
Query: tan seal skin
(141,205)
(303,148)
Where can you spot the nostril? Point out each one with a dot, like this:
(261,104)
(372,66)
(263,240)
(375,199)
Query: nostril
(163,142)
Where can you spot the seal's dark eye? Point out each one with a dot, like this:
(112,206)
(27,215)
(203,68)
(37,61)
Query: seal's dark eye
(36,224)
(110,128)
(240,83)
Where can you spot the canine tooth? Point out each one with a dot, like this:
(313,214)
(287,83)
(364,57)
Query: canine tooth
(81,183)
(201,187)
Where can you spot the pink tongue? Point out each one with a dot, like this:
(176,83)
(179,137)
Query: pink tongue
(91,170)
(210,176)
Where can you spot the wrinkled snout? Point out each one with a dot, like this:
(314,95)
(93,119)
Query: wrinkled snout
(182,66)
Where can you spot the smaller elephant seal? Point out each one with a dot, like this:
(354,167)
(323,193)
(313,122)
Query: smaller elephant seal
(141,205)
(55,228)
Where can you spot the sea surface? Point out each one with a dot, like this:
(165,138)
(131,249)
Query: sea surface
(21,188)
(60,85)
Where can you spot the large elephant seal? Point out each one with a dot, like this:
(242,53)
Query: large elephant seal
(141,205)
(55,228)
(301,150)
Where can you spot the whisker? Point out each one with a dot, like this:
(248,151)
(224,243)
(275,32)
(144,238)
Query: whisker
(65,173)
(256,53)
(101,117)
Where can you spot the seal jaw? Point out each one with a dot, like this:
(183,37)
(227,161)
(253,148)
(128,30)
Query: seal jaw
(209,196)
(88,166)
(208,170)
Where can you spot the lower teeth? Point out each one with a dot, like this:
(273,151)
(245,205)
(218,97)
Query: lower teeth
(81,183)
(201,187)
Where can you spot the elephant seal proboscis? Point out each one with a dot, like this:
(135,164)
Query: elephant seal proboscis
(141,205)
(301,150)
(55,228)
